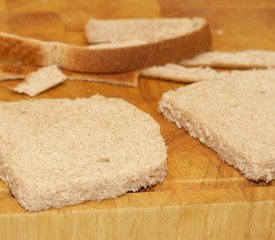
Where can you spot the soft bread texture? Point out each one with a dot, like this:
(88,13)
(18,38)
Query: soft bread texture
(177,73)
(143,30)
(244,59)
(15,72)
(235,118)
(108,59)
(58,152)
(40,81)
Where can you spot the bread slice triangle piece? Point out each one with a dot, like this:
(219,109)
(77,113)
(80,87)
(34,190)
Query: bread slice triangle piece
(178,73)
(40,81)
(192,38)
(235,118)
(247,59)
(59,152)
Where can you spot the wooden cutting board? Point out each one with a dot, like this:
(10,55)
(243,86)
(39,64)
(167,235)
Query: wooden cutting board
(202,197)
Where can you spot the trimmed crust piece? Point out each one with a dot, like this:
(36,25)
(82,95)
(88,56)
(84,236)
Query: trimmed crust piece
(235,118)
(247,59)
(108,58)
(15,72)
(59,152)
(177,73)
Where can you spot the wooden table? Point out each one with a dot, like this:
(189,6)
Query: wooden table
(202,197)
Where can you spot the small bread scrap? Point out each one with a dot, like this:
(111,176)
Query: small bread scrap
(59,152)
(177,73)
(40,81)
(247,59)
(235,118)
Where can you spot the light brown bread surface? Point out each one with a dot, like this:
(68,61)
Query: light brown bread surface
(235,118)
(244,59)
(178,73)
(108,58)
(144,30)
(58,152)
(40,81)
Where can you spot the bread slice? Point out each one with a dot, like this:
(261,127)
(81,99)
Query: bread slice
(194,39)
(177,73)
(58,152)
(235,118)
(243,60)
(40,81)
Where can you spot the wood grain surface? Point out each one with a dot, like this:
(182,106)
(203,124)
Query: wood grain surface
(202,197)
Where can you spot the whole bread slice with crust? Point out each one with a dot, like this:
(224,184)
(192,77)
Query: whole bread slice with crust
(109,58)
(247,59)
(59,152)
(235,118)
(178,73)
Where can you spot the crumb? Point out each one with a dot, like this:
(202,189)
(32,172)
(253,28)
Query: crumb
(220,32)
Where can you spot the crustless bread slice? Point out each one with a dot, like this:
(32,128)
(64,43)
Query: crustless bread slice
(235,118)
(61,152)
(247,59)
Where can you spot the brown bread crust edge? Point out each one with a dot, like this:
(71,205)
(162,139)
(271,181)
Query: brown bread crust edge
(109,60)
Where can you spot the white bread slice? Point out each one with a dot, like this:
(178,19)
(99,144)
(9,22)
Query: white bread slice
(109,58)
(177,73)
(58,152)
(235,118)
(40,81)
(243,60)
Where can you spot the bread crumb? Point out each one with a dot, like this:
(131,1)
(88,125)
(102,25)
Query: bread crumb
(220,32)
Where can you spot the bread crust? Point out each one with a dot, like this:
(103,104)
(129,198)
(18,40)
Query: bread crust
(107,60)
(245,60)
(179,73)
(15,72)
